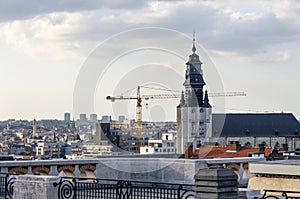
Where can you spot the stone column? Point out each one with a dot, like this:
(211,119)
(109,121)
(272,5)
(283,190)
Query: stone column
(29,171)
(77,171)
(53,170)
(216,183)
(243,178)
(35,187)
(4,169)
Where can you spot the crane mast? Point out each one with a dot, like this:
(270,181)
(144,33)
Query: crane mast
(139,119)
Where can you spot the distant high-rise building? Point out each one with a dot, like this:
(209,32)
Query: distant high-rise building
(106,119)
(121,118)
(93,118)
(67,116)
(82,117)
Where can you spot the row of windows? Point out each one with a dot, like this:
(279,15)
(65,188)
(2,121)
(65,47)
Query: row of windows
(201,110)
(164,150)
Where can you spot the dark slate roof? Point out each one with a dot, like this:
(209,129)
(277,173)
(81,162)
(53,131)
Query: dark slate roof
(255,125)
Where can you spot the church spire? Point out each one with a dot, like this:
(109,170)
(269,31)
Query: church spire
(182,101)
(194,48)
(206,100)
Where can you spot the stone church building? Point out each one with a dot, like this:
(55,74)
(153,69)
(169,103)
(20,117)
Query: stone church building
(196,125)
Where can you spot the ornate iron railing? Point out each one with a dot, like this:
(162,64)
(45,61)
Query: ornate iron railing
(277,194)
(7,185)
(86,188)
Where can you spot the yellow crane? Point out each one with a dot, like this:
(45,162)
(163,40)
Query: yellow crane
(139,98)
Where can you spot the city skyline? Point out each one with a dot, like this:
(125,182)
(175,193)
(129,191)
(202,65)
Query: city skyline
(253,47)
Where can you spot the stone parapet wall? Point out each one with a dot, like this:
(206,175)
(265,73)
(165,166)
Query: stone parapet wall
(35,187)
(150,169)
(278,184)
(171,170)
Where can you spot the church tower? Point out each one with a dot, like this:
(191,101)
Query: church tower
(34,127)
(194,113)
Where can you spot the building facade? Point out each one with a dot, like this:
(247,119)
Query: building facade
(166,145)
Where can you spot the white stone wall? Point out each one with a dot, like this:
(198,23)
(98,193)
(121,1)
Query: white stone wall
(35,187)
(194,124)
(168,170)
(208,123)
(179,147)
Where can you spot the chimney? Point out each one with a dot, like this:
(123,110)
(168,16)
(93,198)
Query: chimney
(188,152)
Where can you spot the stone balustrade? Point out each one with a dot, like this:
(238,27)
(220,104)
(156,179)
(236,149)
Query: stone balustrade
(172,170)
(210,183)
(75,168)
(168,170)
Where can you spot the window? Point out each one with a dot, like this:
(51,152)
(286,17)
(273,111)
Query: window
(193,126)
(247,144)
(147,150)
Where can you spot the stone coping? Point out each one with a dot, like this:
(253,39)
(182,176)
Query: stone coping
(134,159)
(279,167)
(233,160)
(46,162)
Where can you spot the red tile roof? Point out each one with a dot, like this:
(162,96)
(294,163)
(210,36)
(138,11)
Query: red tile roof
(227,151)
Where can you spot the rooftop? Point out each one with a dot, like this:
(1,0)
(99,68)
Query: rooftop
(255,125)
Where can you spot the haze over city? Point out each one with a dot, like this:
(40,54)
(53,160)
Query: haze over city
(252,45)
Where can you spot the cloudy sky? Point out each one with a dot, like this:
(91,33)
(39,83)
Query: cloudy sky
(46,45)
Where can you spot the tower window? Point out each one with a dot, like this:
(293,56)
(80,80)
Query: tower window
(193,126)
(201,110)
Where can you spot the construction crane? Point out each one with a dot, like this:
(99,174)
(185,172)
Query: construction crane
(140,97)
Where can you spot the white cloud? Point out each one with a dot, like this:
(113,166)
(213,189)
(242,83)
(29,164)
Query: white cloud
(283,56)
(21,9)
(286,9)
(44,35)
(243,29)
